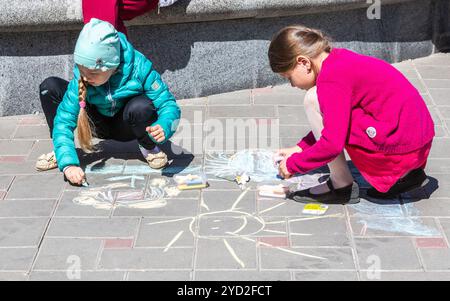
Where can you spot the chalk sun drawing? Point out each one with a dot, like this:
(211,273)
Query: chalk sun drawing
(232,223)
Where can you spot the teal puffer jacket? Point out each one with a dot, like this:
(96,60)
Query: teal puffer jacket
(135,76)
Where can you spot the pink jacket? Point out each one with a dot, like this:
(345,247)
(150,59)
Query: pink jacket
(367,103)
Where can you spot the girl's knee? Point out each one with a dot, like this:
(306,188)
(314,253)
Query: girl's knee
(311,100)
(49,84)
(140,108)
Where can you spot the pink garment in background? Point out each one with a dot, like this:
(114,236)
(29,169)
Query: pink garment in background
(116,11)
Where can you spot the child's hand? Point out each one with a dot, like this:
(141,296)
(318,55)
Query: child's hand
(74,174)
(157,133)
(287,152)
(282,170)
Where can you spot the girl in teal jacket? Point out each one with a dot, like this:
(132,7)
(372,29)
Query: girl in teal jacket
(115,94)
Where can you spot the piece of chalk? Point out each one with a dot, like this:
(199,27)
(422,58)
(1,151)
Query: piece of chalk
(84,183)
(186,187)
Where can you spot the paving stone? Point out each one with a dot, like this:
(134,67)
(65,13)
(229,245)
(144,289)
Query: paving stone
(16,259)
(294,131)
(200,101)
(171,207)
(434,72)
(279,98)
(233,98)
(330,231)
(279,207)
(32,132)
(292,115)
(382,254)
(226,253)
(374,207)
(77,276)
(15,147)
(431,243)
(428,101)
(438,59)
(436,259)
(435,165)
(159,232)
(441,97)
(394,226)
(433,208)
(26,208)
(46,186)
(144,258)
(242,275)
(175,275)
(241,111)
(23,168)
(39,148)
(217,201)
(21,232)
(402,276)
(437,83)
(93,227)
(445,222)
(67,253)
(7,128)
(325,276)
(5,181)
(13,276)
(68,208)
(307,258)
(194,114)
(418,84)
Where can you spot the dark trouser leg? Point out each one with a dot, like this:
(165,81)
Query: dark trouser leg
(51,93)
(131,122)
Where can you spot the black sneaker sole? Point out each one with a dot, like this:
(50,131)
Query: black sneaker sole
(330,198)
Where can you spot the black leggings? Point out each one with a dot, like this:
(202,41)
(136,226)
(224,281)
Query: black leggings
(128,124)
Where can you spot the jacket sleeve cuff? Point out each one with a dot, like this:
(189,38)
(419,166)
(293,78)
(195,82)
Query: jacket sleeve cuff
(307,141)
(291,166)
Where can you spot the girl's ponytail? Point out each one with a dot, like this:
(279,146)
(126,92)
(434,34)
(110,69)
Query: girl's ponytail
(294,41)
(83,123)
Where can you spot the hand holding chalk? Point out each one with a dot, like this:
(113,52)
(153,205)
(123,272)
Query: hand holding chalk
(76,176)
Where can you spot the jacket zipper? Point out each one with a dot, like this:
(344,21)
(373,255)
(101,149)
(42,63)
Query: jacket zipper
(113,103)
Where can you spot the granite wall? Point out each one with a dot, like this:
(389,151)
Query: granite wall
(199,57)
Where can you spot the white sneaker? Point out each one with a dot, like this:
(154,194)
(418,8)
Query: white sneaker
(157,161)
(46,162)
(165,3)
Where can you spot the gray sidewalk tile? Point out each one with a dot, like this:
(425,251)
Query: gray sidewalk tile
(319,232)
(160,232)
(16,259)
(144,258)
(15,147)
(175,275)
(77,276)
(26,208)
(46,186)
(226,253)
(307,258)
(383,254)
(68,253)
(21,232)
(325,276)
(242,275)
(93,227)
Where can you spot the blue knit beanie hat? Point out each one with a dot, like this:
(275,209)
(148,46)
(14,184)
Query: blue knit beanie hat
(98,46)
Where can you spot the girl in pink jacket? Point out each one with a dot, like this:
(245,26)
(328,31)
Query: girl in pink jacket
(357,103)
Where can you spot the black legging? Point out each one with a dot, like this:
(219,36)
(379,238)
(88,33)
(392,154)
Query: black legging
(128,124)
